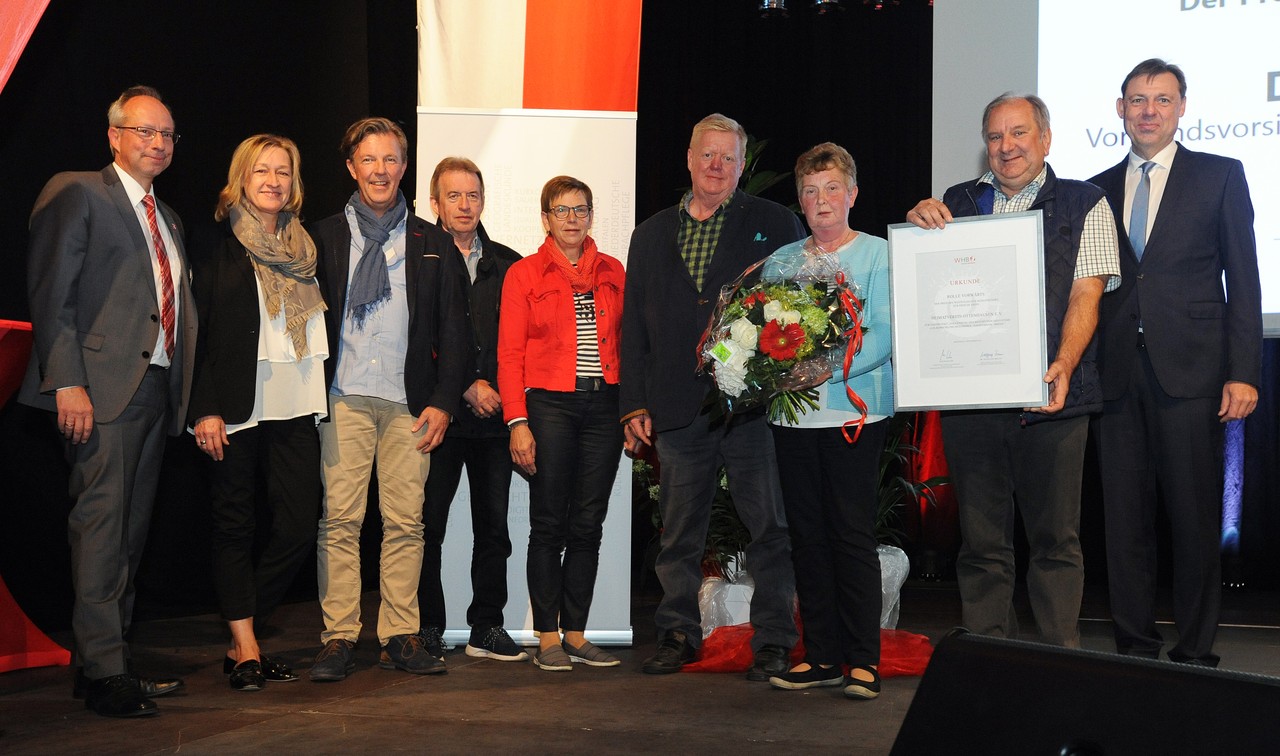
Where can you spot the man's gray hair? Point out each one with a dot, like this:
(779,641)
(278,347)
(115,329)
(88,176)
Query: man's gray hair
(115,113)
(1038,108)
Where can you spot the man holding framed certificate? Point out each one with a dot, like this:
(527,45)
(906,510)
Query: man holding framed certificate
(1035,454)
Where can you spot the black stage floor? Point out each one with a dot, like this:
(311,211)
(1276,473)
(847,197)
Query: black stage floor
(487,706)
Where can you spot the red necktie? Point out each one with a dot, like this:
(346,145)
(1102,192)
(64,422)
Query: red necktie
(166,276)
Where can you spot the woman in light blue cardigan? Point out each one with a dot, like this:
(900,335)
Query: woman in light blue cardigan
(828,484)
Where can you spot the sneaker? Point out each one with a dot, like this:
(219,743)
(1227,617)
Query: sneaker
(674,652)
(590,654)
(407,652)
(335,661)
(771,661)
(433,640)
(553,659)
(813,677)
(494,643)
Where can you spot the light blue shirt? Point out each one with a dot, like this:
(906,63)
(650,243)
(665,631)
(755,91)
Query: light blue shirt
(371,358)
(865,262)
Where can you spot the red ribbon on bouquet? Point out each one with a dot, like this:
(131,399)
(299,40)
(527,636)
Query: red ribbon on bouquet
(852,307)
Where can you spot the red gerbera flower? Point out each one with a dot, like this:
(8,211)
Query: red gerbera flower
(756,297)
(781,342)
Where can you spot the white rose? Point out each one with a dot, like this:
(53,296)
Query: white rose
(787,317)
(738,360)
(772,309)
(744,332)
(731,381)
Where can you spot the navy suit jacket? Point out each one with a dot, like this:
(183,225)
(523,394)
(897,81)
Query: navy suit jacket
(664,315)
(1197,336)
(436,367)
(93,298)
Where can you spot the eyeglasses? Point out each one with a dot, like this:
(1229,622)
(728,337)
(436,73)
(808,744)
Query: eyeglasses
(562,211)
(146,133)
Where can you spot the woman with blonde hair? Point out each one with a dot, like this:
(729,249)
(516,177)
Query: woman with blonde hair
(258,391)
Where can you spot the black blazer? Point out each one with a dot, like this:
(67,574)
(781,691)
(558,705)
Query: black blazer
(664,314)
(227,347)
(1196,335)
(484,299)
(436,367)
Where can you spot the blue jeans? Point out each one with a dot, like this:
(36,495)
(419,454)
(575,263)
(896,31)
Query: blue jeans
(578,441)
(690,457)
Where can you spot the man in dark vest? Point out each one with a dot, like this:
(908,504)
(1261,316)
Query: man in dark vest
(1035,455)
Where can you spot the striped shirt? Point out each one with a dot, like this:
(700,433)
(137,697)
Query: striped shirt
(698,239)
(1099,253)
(584,307)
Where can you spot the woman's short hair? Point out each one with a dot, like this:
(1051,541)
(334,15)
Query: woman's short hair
(365,127)
(563,185)
(823,157)
(242,162)
(454,164)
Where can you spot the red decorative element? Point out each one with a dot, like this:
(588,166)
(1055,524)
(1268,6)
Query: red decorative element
(853,307)
(781,342)
(728,649)
(15,349)
(22,645)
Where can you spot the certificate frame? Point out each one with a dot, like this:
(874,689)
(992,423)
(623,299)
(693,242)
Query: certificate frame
(967,313)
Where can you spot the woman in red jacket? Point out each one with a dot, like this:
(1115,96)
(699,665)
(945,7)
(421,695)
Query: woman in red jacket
(558,377)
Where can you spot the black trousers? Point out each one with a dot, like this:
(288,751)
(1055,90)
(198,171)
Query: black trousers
(1149,441)
(288,452)
(579,440)
(829,490)
(488,463)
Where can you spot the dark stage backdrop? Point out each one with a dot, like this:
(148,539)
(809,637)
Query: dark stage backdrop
(306,70)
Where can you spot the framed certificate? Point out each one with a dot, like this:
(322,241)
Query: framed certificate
(968,317)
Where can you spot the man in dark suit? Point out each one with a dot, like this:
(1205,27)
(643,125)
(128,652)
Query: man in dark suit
(1179,358)
(478,439)
(398,356)
(115,330)
(678,260)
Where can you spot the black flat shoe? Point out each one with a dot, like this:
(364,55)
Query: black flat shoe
(247,675)
(862,689)
(272,669)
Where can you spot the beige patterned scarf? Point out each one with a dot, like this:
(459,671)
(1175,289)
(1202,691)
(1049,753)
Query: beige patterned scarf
(286,269)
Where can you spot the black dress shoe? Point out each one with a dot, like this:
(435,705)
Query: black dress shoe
(771,661)
(154,687)
(272,669)
(151,687)
(674,652)
(247,676)
(118,696)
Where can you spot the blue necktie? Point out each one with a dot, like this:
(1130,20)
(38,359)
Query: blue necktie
(1138,213)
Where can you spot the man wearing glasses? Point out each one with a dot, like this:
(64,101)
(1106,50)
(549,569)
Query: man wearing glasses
(115,331)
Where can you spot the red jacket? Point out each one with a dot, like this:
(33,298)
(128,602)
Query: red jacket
(537,328)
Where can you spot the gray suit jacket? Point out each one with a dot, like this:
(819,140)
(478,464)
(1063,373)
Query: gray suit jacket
(94,309)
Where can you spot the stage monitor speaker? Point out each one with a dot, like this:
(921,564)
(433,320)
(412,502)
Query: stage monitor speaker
(991,696)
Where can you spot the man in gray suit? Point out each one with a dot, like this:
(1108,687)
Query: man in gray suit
(115,331)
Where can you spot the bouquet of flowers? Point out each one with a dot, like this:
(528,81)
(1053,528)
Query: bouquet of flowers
(769,339)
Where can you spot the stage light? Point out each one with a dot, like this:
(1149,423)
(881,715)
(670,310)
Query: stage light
(822,6)
(773,8)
